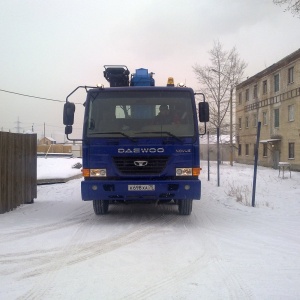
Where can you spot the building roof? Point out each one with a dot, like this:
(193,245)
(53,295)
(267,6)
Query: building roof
(50,139)
(281,63)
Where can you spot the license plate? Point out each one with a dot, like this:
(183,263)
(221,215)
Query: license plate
(141,187)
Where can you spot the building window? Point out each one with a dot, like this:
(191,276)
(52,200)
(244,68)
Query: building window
(291,114)
(265,87)
(255,92)
(247,94)
(254,120)
(240,123)
(240,150)
(247,122)
(247,149)
(276,83)
(291,75)
(265,118)
(240,98)
(265,150)
(291,150)
(276,117)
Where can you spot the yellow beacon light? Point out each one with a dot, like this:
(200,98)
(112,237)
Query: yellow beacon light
(170,81)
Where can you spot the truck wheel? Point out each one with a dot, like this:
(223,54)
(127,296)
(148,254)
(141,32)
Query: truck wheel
(185,206)
(100,207)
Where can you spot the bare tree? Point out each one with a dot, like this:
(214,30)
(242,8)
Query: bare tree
(217,82)
(291,5)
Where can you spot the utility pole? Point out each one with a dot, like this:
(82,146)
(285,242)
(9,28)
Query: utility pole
(255,163)
(208,171)
(231,145)
(218,154)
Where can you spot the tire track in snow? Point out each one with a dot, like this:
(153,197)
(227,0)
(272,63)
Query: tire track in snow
(46,282)
(176,277)
(41,257)
(237,288)
(85,251)
(80,252)
(173,278)
(29,232)
(210,258)
(46,264)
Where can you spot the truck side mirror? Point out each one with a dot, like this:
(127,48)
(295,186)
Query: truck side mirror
(203,112)
(69,110)
(68,129)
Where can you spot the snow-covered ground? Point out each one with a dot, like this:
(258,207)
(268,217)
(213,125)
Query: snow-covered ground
(57,168)
(57,248)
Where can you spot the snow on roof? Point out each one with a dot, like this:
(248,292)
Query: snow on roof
(269,141)
(29,132)
(50,139)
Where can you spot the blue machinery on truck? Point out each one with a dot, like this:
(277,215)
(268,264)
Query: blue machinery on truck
(140,142)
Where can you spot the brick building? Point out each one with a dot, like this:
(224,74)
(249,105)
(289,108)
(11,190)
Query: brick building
(272,97)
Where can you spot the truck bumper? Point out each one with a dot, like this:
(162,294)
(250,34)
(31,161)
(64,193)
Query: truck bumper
(120,190)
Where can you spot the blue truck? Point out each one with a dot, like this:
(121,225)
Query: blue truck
(140,142)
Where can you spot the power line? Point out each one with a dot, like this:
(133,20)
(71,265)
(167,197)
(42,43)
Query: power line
(24,95)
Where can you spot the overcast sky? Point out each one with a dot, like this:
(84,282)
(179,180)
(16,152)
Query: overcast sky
(48,48)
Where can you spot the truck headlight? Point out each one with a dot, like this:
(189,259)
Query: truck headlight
(94,172)
(97,172)
(188,171)
(184,172)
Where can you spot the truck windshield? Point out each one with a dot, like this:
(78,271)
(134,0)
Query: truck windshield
(144,113)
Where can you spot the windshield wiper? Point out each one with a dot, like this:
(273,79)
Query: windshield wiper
(115,132)
(158,132)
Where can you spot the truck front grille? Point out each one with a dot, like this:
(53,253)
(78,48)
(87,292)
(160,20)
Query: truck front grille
(140,165)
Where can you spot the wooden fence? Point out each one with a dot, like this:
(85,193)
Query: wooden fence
(18,170)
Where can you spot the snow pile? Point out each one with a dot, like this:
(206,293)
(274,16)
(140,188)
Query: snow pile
(57,168)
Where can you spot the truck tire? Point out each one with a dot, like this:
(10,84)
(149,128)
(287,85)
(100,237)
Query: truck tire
(185,206)
(100,207)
